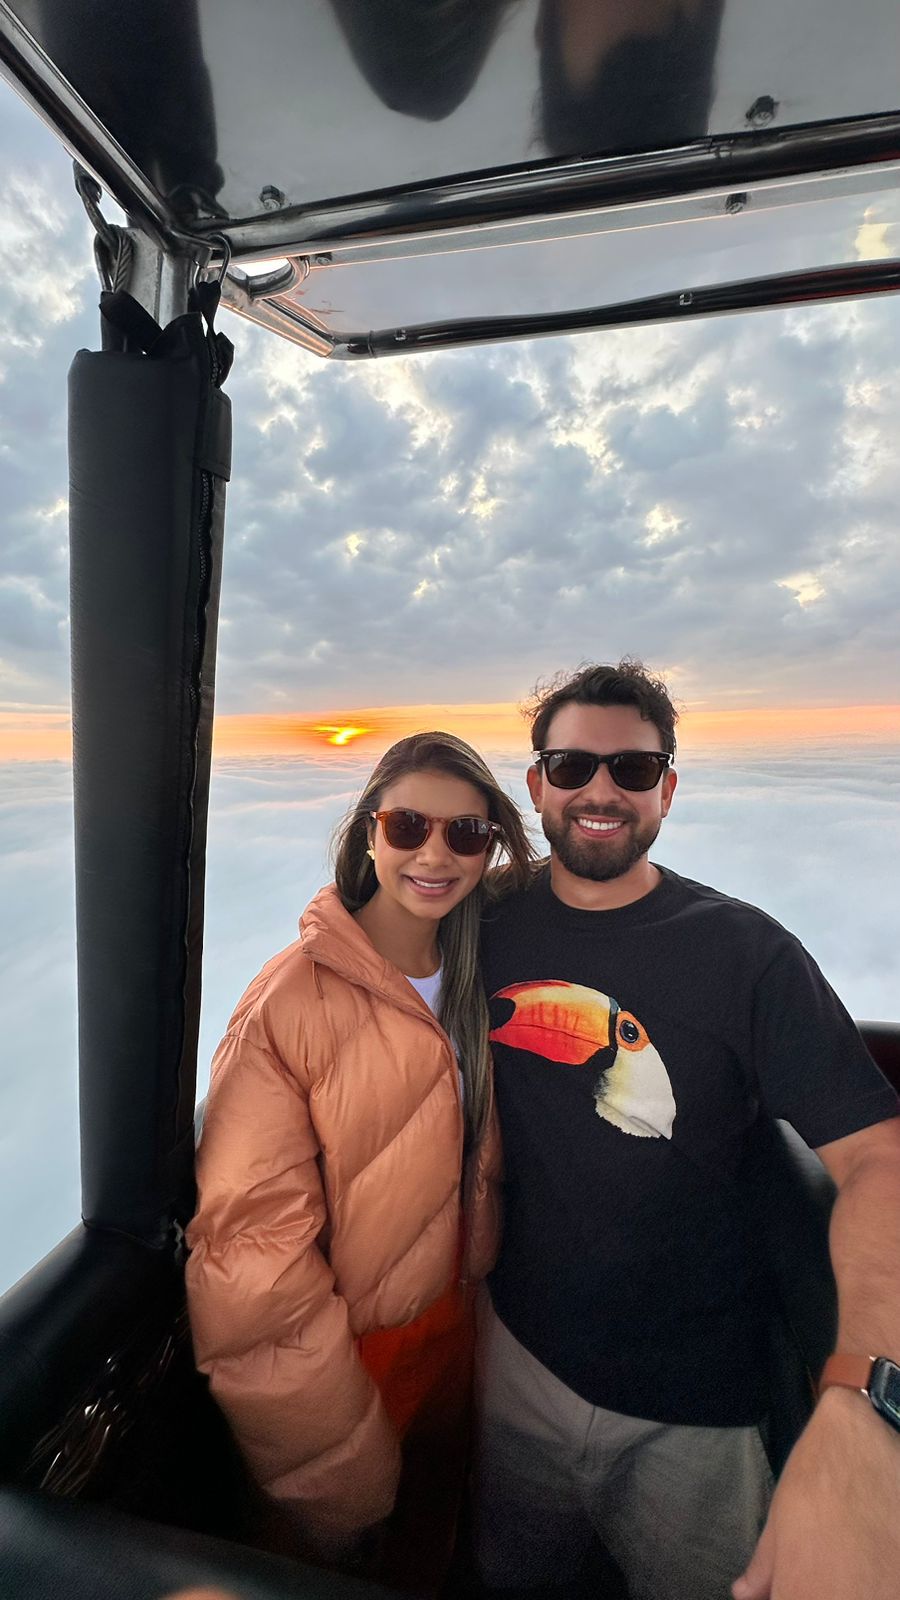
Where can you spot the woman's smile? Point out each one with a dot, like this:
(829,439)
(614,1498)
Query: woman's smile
(431,887)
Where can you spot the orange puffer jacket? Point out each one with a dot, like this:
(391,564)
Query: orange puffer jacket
(329,1204)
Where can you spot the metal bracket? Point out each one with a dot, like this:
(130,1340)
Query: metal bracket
(127,259)
(161,281)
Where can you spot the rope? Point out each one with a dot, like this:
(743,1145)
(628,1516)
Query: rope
(113,249)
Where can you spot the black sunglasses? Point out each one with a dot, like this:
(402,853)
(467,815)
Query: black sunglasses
(408,830)
(637,770)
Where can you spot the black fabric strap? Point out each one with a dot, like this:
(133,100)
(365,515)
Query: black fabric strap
(135,327)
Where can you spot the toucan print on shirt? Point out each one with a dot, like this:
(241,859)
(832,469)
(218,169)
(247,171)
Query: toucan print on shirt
(572,1025)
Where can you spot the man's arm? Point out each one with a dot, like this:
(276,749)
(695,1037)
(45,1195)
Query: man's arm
(834,1526)
(865,1239)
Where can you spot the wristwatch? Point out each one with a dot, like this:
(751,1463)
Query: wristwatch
(876,1376)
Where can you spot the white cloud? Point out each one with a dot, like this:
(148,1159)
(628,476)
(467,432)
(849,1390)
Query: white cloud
(38,268)
(804,586)
(660,523)
(873,242)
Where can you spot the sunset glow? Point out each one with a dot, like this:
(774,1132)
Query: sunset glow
(499,726)
(496,726)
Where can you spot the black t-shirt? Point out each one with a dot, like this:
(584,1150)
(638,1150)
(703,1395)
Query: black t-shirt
(631,1061)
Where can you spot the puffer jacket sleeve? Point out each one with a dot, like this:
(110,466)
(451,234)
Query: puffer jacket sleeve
(267,1324)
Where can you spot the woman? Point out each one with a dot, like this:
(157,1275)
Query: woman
(330,1171)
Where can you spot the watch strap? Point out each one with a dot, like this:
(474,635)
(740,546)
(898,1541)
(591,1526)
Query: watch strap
(847,1372)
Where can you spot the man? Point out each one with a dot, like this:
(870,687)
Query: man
(641,1024)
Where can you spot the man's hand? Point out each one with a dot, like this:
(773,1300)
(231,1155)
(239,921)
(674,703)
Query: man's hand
(833,1531)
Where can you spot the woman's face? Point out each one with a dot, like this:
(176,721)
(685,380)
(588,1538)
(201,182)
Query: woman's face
(430,881)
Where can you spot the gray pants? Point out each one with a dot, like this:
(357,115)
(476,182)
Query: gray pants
(679,1509)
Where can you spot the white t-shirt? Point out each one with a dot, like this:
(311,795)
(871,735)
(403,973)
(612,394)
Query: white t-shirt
(430,990)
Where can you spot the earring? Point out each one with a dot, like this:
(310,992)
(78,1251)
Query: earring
(370,853)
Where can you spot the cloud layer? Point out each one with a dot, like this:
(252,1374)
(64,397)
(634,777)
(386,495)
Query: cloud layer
(804,831)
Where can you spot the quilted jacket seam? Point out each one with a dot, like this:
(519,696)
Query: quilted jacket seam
(348,1185)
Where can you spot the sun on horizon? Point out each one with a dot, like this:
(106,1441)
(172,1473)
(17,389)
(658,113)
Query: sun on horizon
(493,726)
(338,735)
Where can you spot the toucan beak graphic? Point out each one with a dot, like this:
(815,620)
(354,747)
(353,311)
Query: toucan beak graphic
(559,1021)
(568,1023)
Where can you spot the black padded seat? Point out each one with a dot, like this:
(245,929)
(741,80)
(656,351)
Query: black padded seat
(52,1547)
(789,1195)
(883,1040)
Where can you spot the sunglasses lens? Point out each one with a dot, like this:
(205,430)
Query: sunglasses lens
(570,769)
(405,830)
(637,770)
(468,836)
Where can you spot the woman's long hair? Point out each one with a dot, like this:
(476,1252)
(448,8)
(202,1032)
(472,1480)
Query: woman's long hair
(463,1012)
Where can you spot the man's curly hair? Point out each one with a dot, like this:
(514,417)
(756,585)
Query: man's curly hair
(628,684)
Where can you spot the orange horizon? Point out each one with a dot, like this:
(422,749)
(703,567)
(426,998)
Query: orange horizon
(491,726)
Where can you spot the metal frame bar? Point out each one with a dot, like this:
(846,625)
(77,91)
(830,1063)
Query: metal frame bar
(735,162)
(773,194)
(33,75)
(277,315)
(752,294)
(779,291)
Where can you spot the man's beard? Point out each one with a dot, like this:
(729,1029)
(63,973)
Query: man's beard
(606,859)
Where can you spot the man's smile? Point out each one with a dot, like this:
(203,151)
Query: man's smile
(599,824)
(595,824)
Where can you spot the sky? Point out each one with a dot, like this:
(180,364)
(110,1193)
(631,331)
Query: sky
(414,542)
(718,498)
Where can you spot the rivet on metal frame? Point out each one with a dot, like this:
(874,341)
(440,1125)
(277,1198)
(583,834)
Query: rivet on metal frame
(762,111)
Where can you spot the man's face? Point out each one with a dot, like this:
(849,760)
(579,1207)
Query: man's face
(629,821)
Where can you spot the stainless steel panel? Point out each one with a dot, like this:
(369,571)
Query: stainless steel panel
(247,110)
(430,165)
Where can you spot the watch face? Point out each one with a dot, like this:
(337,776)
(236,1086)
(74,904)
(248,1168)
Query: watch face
(884,1390)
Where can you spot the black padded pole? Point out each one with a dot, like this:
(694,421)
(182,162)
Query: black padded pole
(149,453)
